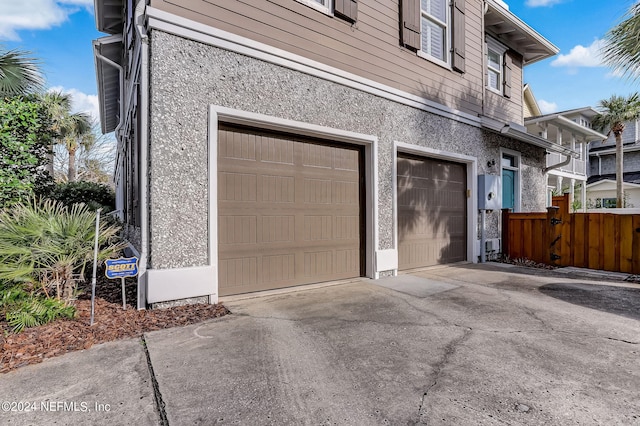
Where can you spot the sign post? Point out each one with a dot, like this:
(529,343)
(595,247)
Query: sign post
(122,268)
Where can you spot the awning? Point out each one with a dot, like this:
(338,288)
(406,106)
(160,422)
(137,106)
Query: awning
(108,78)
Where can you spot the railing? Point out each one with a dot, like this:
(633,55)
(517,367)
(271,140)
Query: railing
(575,166)
(605,241)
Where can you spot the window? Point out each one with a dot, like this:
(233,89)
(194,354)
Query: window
(510,165)
(435,29)
(344,9)
(497,78)
(323,5)
(494,70)
(434,19)
(609,203)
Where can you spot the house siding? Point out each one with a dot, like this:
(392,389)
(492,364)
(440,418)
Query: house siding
(188,76)
(370,48)
(631,163)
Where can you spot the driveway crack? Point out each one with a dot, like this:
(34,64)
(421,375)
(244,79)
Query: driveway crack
(449,351)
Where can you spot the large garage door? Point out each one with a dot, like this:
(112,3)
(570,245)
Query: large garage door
(432,213)
(289,211)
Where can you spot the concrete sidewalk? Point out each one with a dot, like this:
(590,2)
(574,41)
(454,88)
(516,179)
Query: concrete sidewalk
(470,344)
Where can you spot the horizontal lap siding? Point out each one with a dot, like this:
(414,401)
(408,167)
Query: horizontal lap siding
(370,48)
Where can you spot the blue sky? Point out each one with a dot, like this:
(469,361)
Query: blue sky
(60,33)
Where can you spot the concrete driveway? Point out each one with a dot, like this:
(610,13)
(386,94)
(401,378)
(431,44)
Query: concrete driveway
(460,345)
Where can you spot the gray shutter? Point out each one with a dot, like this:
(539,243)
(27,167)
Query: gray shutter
(458,55)
(507,75)
(346,9)
(411,23)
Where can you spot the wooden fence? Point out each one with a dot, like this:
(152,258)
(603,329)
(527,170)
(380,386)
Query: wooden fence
(605,241)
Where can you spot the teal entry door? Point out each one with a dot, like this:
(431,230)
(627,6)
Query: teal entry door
(508,188)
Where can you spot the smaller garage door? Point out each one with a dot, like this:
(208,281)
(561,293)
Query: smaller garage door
(289,210)
(432,212)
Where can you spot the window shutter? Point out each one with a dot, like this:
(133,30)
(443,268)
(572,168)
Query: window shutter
(411,24)
(458,54)
(346,9)
(507,75)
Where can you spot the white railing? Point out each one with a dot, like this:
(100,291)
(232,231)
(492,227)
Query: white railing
(575,166)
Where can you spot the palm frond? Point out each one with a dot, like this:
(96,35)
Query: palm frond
(19,73)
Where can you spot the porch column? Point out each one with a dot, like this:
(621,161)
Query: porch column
(572,184)
(583,195)
(559,185)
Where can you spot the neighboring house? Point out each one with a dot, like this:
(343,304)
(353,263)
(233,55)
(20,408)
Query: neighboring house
(571,129)
(265,144)
(601,188)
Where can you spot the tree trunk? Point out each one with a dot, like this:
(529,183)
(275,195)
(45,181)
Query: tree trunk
(49,166)
(71,176)
(619,173)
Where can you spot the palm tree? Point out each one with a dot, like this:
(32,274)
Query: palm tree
(73,130)
(77,131)
(614,112)
(621,49)
(58,105)
(19,73)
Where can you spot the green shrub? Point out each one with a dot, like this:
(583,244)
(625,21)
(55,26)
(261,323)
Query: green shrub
(45,246)
(22,309)
(94,195)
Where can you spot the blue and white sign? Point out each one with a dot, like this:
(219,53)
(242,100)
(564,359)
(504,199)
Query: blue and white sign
(122,267)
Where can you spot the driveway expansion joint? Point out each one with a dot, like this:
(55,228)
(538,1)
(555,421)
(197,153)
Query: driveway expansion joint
(160,405)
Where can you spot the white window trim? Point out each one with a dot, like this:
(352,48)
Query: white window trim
(326,9)
(500,49)
(518,169)
(447,36)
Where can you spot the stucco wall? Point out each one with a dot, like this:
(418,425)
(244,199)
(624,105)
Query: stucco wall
(187,77)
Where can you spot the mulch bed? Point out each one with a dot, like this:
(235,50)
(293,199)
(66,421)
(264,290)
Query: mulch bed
(111,322)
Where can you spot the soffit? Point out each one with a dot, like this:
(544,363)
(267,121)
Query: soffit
(512,31)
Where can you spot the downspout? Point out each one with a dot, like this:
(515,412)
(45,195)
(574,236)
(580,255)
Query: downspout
(139,17)
(109,62)
(557,166)
(485,8)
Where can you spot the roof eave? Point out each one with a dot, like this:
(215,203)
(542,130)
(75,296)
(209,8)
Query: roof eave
(516,34)
(109,16)
(518,132)
(108,93)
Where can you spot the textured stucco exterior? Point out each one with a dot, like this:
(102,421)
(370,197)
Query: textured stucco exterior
(186,77)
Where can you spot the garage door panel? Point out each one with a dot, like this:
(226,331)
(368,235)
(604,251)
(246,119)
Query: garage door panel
(293,216)
(431,197)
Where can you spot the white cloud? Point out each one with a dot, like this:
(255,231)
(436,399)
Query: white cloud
(80,101)
(547,107)
(542,3)
(35,15)
(581,56)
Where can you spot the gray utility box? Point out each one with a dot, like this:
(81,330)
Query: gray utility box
(489,192)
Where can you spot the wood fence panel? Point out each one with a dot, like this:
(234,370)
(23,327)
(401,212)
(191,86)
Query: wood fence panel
(537,241)
(626,244)
(594,240)
(608,243)
(635,255)
(516,242)
(579,240)
(527,239)
(604,241)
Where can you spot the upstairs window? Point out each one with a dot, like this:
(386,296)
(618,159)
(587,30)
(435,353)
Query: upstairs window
(498,68)
(344,9)
(494,70)
(435,29)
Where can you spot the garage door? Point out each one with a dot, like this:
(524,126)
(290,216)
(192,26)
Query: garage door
(289,211)
(432,213)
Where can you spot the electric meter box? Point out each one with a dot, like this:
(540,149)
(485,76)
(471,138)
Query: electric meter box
(489,192)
